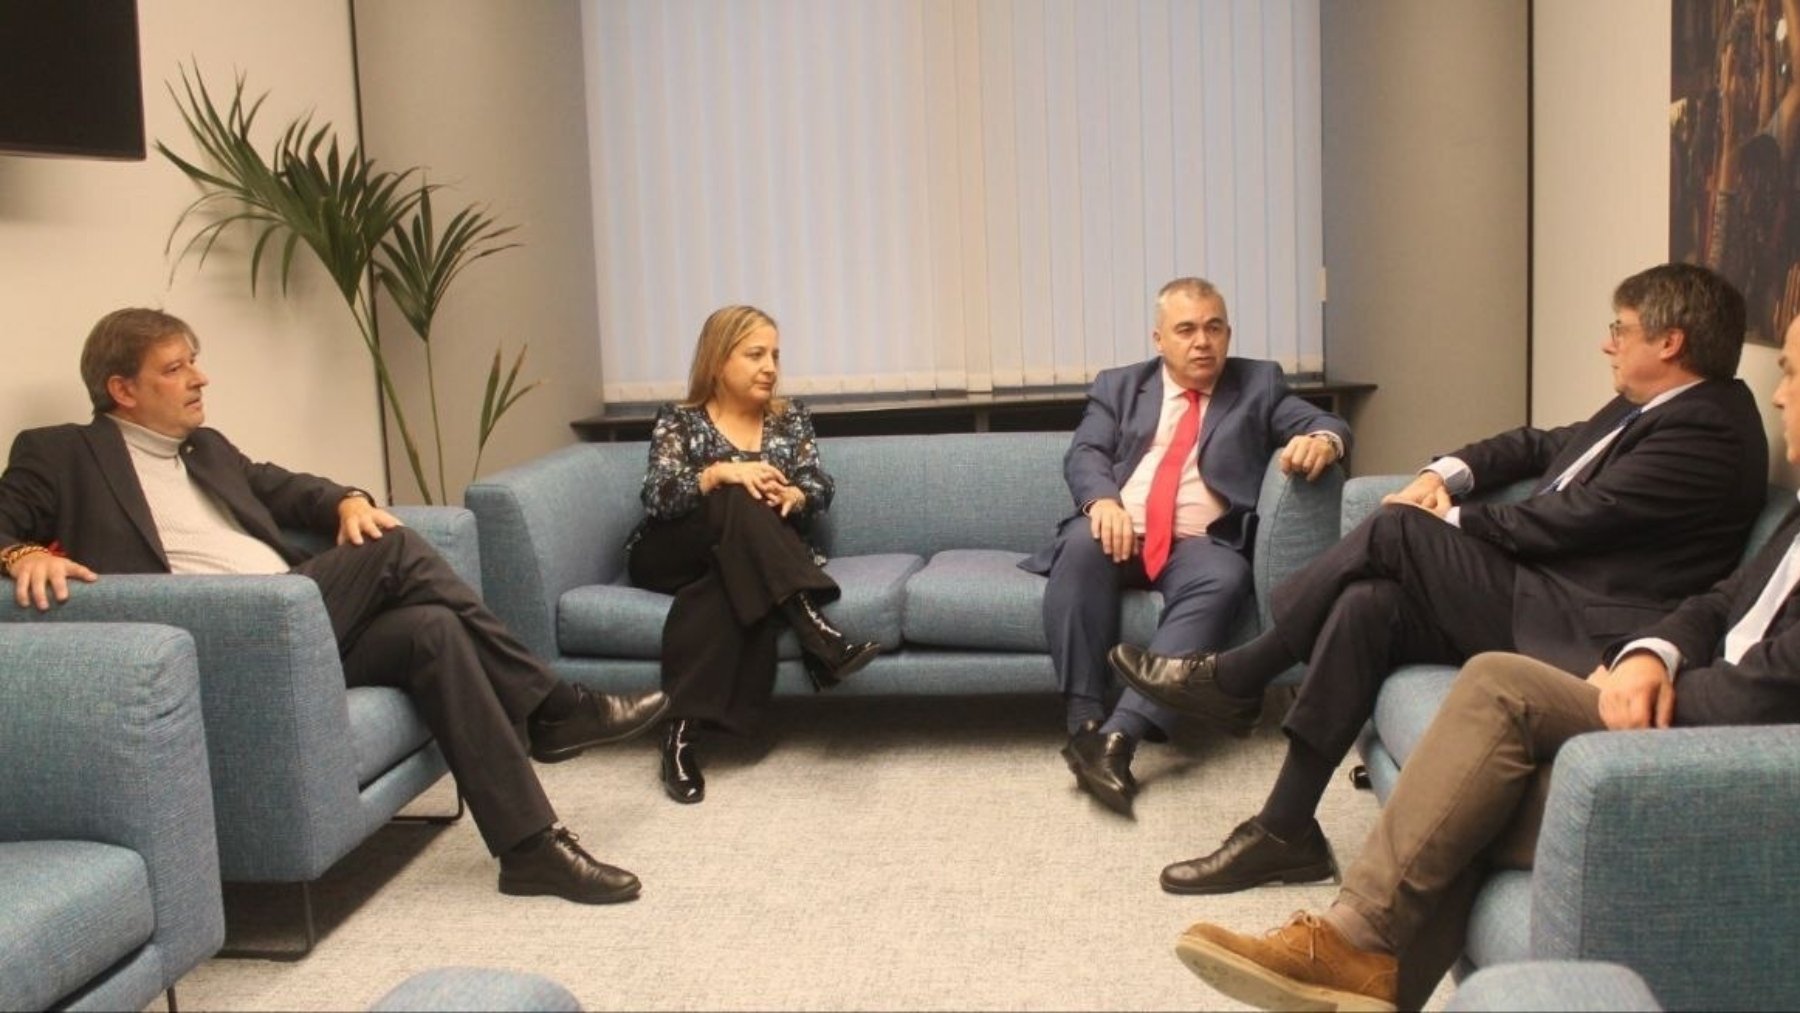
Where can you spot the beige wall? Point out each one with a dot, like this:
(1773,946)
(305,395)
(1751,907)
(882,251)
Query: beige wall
(488,97)
(1602,208)
(79,238)
(1425,181)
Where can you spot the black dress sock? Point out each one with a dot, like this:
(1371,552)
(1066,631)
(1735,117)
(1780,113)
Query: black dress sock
(1081,709)
(559,704)
(1298,788)
(1247,670)
(1135,726)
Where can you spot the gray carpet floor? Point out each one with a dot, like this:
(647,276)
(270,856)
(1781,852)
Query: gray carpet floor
(863,854)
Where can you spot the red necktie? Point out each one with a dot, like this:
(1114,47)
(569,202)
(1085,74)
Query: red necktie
(1159,509)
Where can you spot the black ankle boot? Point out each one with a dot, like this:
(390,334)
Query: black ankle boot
(681,775)
(829,656)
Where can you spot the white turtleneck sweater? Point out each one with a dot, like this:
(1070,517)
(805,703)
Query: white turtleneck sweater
(198,534)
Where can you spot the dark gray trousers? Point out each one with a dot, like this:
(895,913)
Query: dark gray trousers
(403,618)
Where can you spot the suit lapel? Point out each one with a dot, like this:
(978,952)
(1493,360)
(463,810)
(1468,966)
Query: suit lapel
(1593,432)
(228,487)
(1145,412)
(1762,568)
(107,445)
(1224,396)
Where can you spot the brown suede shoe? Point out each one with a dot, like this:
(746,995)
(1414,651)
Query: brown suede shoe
(1304,965)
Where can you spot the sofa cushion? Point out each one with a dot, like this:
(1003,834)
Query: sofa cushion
(385,728)
(873,606)
(611,620)
(617,621)
(1408,702)
(1500,924)
(979,599)
(976,598)
(73,909)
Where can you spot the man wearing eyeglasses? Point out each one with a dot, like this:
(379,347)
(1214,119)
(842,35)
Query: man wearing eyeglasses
(1164,469)
(1647,502)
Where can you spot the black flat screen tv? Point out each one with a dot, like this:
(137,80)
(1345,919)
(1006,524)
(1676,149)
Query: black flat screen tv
(69,79)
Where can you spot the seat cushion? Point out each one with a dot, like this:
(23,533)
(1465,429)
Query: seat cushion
(385,728)
(976,599)
(72,910)
(1500,924)
(979,600)
(873,606)
(1408,702)
(617,621)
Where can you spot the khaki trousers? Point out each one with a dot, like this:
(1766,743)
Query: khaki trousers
(1471,797)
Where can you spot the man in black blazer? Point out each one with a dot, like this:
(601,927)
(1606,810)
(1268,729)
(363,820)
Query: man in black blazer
(1729,656)
(144,488)
(1238,412)
(1645,503)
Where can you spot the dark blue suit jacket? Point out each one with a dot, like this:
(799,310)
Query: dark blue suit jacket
(1251,415)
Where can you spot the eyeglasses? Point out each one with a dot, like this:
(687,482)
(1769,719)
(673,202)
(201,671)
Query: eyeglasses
(1615,329)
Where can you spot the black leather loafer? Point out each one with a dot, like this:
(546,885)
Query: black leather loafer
(1251,856)
(556,866)
(1102,765)
(598,719)
(1185,683)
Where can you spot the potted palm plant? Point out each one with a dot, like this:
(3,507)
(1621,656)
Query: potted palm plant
(374,231)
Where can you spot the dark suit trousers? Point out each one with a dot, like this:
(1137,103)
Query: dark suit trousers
(1204,585)
(1403,587)
(1470,798)
(729,563)
(403,618)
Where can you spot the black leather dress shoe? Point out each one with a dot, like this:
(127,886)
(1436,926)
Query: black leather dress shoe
(1185,683)
(1102,765)
(681,777)
(1252,856)
(555,866)
(598,719)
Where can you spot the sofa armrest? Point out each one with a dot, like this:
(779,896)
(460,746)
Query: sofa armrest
(1673,852)
(450,530)
(554,523)
(272,690)
(1296,520)
(1362,497)
(101,739)
(1580,986)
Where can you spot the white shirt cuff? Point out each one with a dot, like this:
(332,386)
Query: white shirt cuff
(1456,475)
(1668,653)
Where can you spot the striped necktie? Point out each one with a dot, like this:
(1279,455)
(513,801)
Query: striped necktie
(1568,474)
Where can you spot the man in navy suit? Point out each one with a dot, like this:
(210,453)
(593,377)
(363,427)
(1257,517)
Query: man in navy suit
(1645,503)
(1165,468)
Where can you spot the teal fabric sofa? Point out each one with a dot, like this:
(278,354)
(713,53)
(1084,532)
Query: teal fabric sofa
(1569,986)
(109,866)
(303,769)
(924,536)
(1671,852)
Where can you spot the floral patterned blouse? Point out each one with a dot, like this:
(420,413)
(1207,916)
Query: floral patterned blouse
(684,442)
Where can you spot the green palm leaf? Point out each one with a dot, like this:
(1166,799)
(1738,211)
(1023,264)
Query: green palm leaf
(357,220)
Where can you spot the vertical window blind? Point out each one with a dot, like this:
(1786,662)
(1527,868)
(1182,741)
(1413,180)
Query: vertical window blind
(949,195)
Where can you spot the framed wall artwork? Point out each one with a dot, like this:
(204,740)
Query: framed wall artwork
(1734,150)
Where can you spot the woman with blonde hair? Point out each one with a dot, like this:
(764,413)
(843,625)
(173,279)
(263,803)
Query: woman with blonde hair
(734,480)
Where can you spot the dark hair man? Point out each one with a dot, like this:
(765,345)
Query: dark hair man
(146,488)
